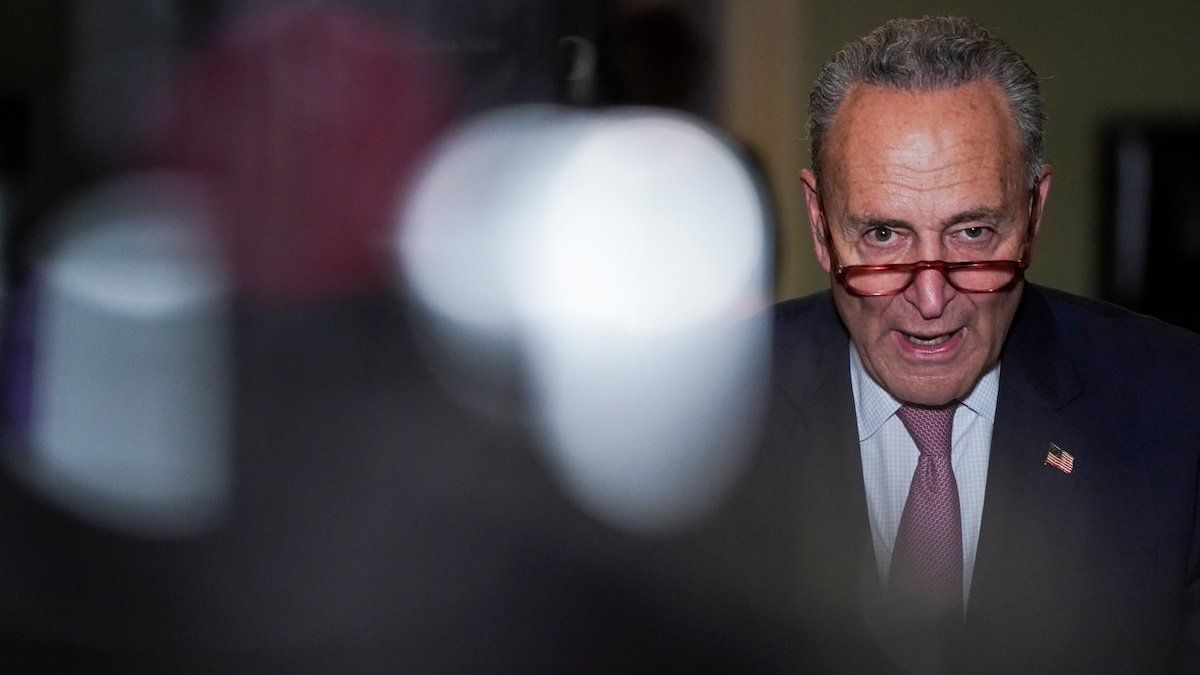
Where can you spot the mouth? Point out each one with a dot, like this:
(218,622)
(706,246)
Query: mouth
(932,341)
(927,344)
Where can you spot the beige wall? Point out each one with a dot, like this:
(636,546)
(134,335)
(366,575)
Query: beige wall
(1098,61)
(764,105)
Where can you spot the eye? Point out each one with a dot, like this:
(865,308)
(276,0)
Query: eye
(976,234)
(881,235)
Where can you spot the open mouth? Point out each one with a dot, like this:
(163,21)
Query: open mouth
(930,341)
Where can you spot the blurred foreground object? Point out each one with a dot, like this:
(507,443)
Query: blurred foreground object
(614,262)
(119,383)
(308,121)
(255,471)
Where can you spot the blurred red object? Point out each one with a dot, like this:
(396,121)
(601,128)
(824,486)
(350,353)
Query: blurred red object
(309,122)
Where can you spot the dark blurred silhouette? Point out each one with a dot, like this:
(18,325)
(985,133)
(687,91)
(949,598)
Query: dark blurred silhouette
(1150,216)
(653,54)
(371,523)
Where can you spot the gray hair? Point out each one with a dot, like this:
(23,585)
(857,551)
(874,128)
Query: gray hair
(927,54)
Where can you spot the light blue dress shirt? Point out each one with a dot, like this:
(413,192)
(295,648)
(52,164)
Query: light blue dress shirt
(889,458)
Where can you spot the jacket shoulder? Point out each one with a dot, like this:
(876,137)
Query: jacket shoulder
(807,315)
(808,339)
(1120,345)
(1084,317)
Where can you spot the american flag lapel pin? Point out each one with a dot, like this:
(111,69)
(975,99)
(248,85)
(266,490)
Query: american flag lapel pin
(1059,459)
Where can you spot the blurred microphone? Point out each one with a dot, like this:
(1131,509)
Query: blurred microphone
(615,263)
(124,409)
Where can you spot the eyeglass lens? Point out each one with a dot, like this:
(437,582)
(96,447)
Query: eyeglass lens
(977,279)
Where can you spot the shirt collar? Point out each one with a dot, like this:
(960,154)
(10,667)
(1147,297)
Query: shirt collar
(874,405)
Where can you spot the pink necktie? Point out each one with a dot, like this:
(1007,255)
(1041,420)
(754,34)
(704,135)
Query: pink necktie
(926,571)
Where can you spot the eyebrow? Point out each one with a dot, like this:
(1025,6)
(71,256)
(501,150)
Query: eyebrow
(979,213)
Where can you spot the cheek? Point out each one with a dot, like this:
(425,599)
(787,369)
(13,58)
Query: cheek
(867,319)
(994,315)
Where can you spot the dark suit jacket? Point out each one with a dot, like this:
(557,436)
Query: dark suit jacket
(376,529)
(1092,570)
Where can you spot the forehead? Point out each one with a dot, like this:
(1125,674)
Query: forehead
(924,144)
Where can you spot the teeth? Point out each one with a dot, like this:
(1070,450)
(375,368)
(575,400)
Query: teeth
(928,343)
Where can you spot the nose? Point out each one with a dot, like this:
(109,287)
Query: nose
(929,293)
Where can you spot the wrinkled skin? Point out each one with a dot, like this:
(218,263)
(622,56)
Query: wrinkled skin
(910,176)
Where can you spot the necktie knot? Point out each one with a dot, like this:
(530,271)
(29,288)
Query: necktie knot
(929,427)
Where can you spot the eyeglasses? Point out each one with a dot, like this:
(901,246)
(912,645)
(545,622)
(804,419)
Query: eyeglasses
(976,276)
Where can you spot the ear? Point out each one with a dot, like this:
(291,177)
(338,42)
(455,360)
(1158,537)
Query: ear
(1043,193)
(816,219)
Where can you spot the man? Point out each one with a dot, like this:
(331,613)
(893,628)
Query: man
(964,471)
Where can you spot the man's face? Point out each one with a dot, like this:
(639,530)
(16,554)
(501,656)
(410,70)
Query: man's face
(914,176)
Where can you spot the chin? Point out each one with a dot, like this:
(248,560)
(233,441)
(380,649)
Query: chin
(930,400)
(927,394)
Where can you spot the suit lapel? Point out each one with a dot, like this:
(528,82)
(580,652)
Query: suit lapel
(1025,498)
(831,496)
